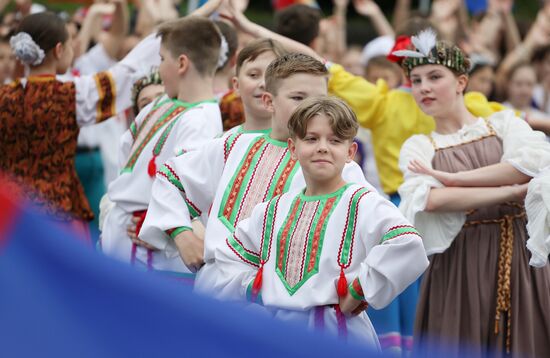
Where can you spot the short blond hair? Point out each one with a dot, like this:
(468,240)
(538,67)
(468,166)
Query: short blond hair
(291,64)
(196,37)
(342,119)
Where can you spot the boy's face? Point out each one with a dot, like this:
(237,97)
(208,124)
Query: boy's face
(169,71)
(321,153)
(250,84)
(292,91)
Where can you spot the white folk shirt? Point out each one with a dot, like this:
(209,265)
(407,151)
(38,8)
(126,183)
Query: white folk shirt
(222,181)
(191,125)
(303,243)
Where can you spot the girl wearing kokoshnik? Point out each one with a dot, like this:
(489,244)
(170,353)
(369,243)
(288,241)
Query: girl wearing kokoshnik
(464,190)
(40,115)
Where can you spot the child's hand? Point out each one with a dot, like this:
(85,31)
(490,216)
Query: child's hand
(351,306)
(131,231)
(417,166)
(366,7)
(519,192)
(191,250)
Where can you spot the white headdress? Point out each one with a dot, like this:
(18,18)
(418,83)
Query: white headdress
(224,51)
(26,50)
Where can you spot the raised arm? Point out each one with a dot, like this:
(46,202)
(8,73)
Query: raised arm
(371,10)
(112,39)
(401,12)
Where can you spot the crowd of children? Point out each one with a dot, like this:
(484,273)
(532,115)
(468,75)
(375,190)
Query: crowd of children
(382,195)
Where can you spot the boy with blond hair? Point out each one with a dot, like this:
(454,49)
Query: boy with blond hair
(296,246)
(230,175)
(186,117)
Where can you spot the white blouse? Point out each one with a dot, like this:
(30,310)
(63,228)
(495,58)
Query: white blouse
(525,149)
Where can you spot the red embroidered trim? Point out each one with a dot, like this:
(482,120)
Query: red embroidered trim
(228,151)
(357,287)
(231,200)
(284,177)
(239,255)
(272,177)
(399,227)
(304,252)
(251,180)
(317,234)
(285,233)
(291,239)
(244,248)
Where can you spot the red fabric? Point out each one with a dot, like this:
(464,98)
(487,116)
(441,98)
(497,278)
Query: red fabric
(9,210)
(401,43)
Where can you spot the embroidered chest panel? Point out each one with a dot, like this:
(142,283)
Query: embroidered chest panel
(300,239)
(265,171)
(162,114)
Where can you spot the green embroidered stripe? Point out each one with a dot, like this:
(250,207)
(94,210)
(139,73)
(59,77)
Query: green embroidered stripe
(228,220)
(352,219)
(172,178)
(166,116)
(277,176)
(268,229)
(160,143)
(355,290)
(156,106)
(229,143)
(176,231)
(133,129)
(243,253)
(193,210)
(398,232)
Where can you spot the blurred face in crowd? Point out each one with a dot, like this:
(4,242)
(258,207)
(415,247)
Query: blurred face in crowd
(482,81)
(520,87)
(250,84)
(7,62)
(291,92)
(352,62)
(436,89)
(391,76)
(148,95)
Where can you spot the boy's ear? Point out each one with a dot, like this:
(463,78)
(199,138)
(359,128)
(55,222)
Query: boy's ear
(267,100)
(351,151)
(183,64)
(292,148)
(235,83)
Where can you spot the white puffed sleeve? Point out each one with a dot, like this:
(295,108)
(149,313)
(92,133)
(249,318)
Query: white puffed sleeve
(537,205)
(104,94)
(438,229)
(527,150)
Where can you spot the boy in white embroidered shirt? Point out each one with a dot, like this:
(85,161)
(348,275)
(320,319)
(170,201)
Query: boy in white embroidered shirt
(183,119)
(320,255)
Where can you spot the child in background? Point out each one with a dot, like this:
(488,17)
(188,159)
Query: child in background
(304,252)
(40,115)
(185,118)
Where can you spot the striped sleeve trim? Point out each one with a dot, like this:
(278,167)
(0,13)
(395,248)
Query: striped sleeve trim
(399,231)
(106,89)
(169,173)
(244,254)
(133,129)
(178,230)
(356,290)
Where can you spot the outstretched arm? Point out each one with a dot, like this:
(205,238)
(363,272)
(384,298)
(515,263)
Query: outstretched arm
(371,10)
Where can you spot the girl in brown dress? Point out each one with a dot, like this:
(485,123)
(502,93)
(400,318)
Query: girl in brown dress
(464,188)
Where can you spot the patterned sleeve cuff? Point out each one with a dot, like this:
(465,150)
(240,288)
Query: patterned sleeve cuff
(356,290)
(176,231)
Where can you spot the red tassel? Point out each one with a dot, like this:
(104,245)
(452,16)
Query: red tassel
(152,168)
(257,285)
(342,288)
